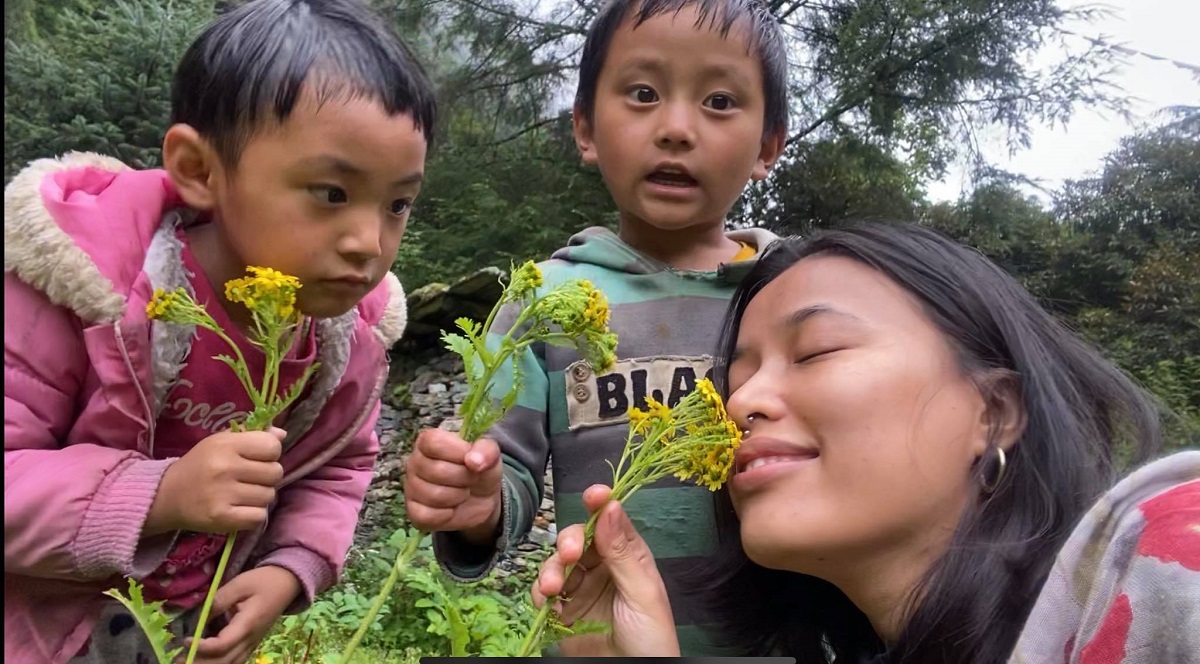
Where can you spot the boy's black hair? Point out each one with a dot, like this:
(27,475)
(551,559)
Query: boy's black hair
(249,65)
(766,39)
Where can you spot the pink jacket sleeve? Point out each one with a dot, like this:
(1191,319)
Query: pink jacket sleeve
(313,524)
(70,511)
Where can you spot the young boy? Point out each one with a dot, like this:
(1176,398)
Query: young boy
(680,103)
(298,141)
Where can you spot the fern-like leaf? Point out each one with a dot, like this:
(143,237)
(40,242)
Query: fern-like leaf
(151,618)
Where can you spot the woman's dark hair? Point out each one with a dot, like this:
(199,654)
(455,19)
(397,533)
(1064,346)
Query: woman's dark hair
(1081,413)
(248,67)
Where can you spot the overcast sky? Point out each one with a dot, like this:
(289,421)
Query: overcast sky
(1166,28)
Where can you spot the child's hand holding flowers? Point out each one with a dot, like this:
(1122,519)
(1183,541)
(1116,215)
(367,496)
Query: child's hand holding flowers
(453,481)
(227,481)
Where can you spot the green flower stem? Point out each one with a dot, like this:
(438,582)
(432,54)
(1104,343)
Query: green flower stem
(404,557)
(208,599)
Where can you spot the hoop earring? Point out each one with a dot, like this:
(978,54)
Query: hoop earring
(1002,465)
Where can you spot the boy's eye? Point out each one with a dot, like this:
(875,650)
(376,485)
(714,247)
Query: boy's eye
(645,94)
(719,102)
(329,195)
(400,206)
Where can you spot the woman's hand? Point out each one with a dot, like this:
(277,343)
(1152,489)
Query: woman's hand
(615,581)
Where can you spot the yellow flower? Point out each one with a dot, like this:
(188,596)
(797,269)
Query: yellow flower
(525,280)
(658,410)
(269,293)
(161,303)
(639,420)
(596,313)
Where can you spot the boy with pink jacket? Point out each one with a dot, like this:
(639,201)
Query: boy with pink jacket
(300,150)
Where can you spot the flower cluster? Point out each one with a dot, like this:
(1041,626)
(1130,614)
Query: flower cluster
(523,283)
(694,440)
(573,313)
(580,311)
(269,294)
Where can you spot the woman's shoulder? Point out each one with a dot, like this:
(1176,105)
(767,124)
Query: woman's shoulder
(1126,586)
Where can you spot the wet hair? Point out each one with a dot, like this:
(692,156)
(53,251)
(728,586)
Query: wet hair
(1082,414)
(248,68)
(766,40)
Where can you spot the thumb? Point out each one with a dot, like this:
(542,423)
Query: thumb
(277,432)
(626,555)
(229,595)
(483,456)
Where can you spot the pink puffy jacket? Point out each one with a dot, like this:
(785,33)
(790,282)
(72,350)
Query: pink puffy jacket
(85,373)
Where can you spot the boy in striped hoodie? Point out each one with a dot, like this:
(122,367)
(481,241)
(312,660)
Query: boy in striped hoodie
(680,103)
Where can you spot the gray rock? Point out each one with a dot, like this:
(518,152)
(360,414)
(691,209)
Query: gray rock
(542,537)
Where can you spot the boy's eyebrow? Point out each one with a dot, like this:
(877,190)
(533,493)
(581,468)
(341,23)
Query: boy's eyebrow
(644,63)
(724,71)
(343,167)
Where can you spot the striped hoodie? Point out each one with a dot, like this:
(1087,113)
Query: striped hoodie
(667,322)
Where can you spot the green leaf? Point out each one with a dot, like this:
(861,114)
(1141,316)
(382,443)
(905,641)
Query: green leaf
(459,344)
(467,325)
(151,618)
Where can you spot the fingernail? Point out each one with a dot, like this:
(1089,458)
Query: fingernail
(475,458)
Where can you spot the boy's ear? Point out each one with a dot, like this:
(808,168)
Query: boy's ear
(772,148)
(193,166)
(582,129)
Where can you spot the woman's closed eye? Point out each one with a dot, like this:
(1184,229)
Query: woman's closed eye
(809,355)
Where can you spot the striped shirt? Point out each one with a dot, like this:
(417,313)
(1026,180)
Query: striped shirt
(667,323)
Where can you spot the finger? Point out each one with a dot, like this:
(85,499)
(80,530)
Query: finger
(575,580)
(443,473)
(262,473)
(252,495)
(627,557)
(569,545)
(259,446)
(277,432)
(227,639)
(245,518)
(595,496)
(484,455)
(442,445)
(228,596)
(426,517)
(436,496)
(549,581)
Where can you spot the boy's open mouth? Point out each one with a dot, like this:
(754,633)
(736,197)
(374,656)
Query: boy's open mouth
(672,179)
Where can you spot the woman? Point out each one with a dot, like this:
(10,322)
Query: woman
(921,444)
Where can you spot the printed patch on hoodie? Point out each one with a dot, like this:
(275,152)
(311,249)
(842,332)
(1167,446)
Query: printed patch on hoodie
(594,400)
